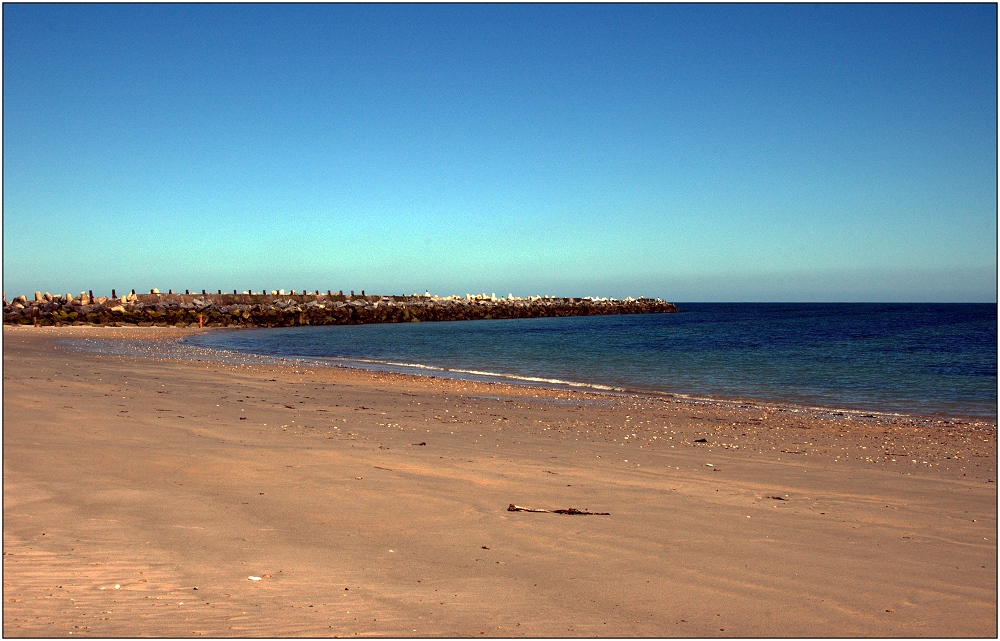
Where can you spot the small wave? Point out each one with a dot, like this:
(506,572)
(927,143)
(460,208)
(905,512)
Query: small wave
(536,379)
(394,364)
(474,372)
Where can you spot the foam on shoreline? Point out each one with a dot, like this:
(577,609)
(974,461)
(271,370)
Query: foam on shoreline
(174,347)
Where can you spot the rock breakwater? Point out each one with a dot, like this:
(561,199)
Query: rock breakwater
(285,310)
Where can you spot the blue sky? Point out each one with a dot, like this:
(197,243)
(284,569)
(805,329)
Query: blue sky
(691,152)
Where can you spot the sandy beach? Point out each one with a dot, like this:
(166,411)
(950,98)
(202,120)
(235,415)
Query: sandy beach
(141,492)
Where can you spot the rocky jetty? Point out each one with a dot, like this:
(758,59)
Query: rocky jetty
(278,309)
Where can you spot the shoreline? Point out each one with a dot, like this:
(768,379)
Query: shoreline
(141,493)
(406,369)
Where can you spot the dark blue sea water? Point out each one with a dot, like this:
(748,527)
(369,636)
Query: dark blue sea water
(929,359)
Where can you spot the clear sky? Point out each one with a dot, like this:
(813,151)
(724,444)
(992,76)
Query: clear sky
(691,152)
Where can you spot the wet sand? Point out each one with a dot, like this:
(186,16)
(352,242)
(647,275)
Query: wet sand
(140,493)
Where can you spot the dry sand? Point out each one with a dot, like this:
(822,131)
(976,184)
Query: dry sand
(140,493)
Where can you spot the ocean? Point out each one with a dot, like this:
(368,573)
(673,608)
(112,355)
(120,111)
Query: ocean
(925,359)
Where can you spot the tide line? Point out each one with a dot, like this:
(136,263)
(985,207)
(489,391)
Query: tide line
(474,372)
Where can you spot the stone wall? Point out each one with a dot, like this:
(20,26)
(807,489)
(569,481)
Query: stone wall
(266,310)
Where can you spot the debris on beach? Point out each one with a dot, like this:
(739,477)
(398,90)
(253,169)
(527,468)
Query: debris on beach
(777,498)
(571,510)
(253,578)
(420,443)
(518,508)
(701,440)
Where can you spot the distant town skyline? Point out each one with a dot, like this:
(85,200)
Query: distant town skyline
(692,152)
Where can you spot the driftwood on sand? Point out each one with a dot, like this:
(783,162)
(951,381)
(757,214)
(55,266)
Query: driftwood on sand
(570,510)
